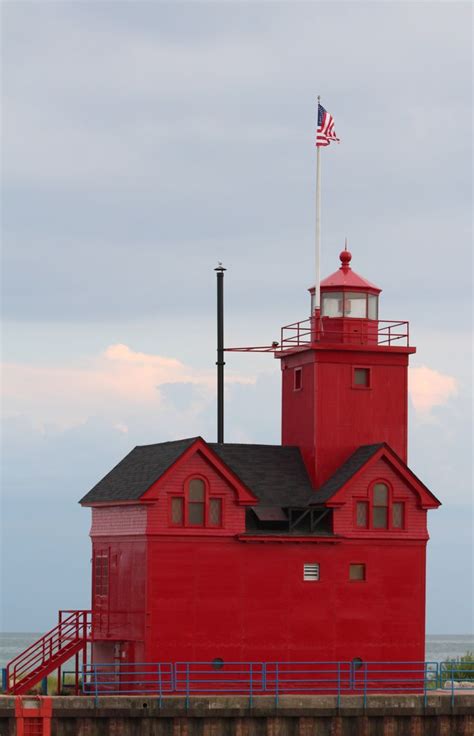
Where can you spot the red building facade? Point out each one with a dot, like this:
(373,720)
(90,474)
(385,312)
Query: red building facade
(310,550)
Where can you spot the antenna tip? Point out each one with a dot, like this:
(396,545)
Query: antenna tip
(220,267)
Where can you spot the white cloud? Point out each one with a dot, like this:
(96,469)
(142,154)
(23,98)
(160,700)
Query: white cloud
(114,384)
(429,388)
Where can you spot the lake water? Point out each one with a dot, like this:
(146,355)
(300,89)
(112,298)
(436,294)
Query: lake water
(438,648)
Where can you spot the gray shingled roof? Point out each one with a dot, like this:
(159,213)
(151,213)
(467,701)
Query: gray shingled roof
(275,474)
(344,473)
(129,480)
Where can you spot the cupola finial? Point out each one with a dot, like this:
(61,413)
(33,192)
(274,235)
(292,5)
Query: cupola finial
(345,257)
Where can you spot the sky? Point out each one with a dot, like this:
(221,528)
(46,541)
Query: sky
(144,142)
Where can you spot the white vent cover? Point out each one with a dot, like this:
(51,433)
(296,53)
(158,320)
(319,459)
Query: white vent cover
(311,571)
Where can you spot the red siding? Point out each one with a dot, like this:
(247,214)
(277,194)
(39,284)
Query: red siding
(298,407)
(121,614)
(233,516)
(248,601)
(118,520)
(415,517)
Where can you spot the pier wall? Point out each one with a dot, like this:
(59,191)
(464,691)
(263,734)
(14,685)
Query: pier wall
(380,715)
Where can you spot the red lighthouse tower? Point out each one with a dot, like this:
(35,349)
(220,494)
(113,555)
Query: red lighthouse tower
(344,376)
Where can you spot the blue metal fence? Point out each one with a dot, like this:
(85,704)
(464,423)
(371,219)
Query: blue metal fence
(456,677)
(250,679)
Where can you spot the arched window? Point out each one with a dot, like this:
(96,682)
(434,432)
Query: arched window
(380,511)
(196,502)
(380,506)
(196,507)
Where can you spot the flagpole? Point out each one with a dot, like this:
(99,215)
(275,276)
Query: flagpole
(317,289)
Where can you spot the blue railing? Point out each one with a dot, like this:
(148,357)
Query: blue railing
(456,677)
(250,679)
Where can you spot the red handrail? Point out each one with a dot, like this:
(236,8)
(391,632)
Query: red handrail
(55,643)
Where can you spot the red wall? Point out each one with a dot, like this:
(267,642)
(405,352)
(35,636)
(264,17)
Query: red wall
(247,601)
(329,418)
(120,615)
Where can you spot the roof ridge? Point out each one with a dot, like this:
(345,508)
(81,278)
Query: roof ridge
(252,444)
(170,442)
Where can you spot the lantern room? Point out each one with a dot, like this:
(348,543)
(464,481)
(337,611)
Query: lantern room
(349,306)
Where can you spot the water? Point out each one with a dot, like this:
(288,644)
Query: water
(438,648)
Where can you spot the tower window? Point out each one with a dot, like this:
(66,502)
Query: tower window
(298,379)
(357,571)
(361,378)
(311,572)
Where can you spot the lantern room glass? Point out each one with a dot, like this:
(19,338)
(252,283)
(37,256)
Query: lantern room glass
(332,304)
(354,304)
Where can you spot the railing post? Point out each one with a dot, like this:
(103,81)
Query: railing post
(276,685)
(251,686)
(365,685)
(96,685)
(338,684)
(160,701)
(187,685)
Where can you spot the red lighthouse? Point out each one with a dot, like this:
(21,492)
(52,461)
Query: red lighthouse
(312,550)
(222,552)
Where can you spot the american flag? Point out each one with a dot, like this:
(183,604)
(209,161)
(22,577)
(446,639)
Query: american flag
(325,133)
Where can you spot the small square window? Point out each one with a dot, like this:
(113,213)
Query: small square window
(398,513)
(361,378)
(357,571)
(362,514)
(311,571)
(298,379)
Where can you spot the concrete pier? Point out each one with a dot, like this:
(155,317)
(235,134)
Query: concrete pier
(381,715)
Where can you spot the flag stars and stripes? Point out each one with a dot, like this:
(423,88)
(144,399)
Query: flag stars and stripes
(325,133)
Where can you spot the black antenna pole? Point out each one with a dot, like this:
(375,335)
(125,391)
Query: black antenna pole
(220,352)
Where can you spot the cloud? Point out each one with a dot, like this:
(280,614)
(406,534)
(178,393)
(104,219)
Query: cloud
(115,384)
(429,388)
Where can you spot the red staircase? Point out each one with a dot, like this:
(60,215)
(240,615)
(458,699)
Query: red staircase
(47,654)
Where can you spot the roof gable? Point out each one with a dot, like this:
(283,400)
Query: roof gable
(332,492)
(199,446)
